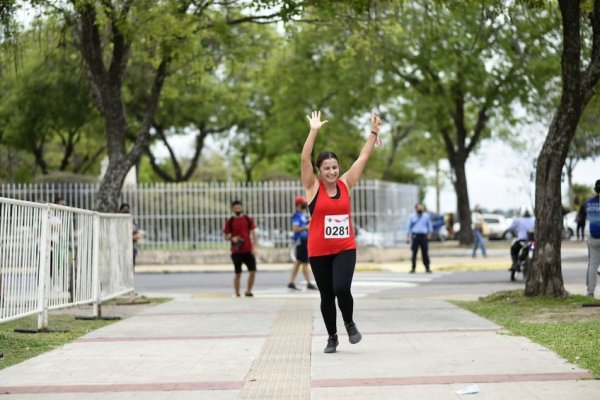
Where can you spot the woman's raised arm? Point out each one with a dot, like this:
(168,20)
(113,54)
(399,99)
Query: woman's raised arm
(352,176)
(309,180)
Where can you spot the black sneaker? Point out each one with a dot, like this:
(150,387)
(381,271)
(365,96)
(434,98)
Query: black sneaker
(249,294)
(332,343)
(412,271)
(292,285)
(354,335)
(312,287)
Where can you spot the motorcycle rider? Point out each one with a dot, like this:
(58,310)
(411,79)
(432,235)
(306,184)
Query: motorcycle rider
(523,226)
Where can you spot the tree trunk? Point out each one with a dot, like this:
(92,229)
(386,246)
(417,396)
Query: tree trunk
(546,275)
(465,235)
(38,153)
(570,184)
(570,166)
(398,135)
(109,193)
(118,163)
(179,175)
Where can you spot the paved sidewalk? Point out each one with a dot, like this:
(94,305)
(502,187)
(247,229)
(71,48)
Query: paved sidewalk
(272,348)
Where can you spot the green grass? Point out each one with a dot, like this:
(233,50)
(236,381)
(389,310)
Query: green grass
(562,325)
(18,347)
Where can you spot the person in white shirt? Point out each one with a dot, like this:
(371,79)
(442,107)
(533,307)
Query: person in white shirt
(523,226)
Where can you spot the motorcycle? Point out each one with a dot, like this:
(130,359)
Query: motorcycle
(525,256)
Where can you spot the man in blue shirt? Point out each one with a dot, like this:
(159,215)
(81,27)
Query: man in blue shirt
(592,208)
(300,229)
(418,230)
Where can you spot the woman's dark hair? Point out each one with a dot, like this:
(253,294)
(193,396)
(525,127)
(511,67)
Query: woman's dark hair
(326,155)
(123,206)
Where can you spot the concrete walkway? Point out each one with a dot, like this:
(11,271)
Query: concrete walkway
(271,347)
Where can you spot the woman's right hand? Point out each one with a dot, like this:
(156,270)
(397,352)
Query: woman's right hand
(315,120)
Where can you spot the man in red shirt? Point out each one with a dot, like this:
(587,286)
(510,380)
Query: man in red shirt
(239,230)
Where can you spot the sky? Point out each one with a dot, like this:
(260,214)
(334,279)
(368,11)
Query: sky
(498,177)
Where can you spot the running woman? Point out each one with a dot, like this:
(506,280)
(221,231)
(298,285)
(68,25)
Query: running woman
(331,244)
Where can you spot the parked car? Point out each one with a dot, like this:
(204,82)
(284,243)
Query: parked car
(498,225)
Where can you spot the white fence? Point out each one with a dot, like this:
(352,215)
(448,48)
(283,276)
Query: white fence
(192,215)
(53,257)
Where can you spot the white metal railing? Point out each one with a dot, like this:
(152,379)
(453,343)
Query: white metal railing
(192,215)
(53,257)
(115,248)
(20,257)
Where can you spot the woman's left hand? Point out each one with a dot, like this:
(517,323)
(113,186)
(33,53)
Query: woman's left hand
(375,122)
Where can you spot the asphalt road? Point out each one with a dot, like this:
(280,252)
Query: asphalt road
(457,284)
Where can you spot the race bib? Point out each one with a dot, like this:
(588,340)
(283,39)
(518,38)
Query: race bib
(337,226)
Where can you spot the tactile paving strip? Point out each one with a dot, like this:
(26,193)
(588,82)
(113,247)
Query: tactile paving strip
(282,370)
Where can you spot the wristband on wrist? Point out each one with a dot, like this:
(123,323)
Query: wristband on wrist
(375,133)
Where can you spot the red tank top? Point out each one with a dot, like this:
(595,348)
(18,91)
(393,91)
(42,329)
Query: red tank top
(331,230)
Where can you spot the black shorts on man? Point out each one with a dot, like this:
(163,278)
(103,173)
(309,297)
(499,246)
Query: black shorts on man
(302,250)
(243,258)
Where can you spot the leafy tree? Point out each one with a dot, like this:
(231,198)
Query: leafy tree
(321,67)
(7,10)
(580,72)
(113,35)
(204,97)
(461,66)
(47,110)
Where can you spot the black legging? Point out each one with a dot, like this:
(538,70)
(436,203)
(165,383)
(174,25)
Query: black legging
(333,275)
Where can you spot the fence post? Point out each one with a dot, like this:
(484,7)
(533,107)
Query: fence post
(97,290)
(43,276)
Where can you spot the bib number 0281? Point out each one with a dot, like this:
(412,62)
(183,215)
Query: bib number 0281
(337,226)
(337,231)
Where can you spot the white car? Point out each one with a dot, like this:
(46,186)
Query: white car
(498,225)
